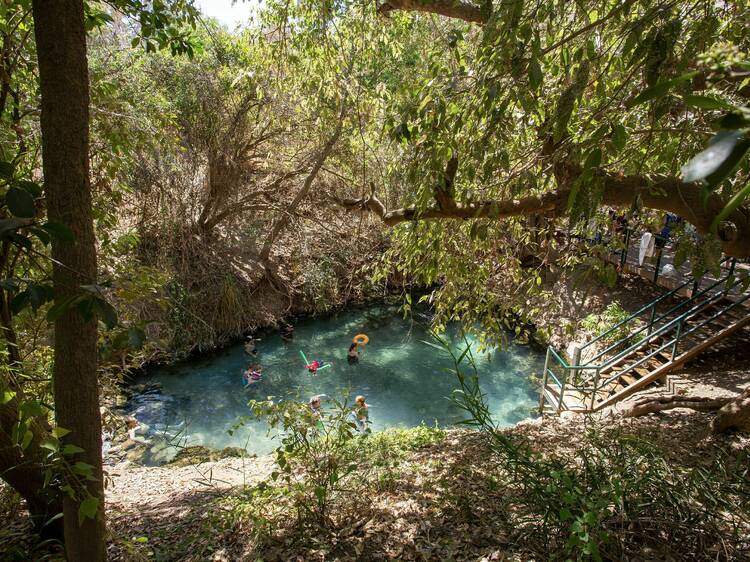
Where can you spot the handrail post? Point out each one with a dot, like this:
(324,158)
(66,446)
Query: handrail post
(676,340)
(544,383)
(733,263)
(593,392)
(575,363)
(651,321)
(658,264)
(624,254)
(696,285)
(562,393)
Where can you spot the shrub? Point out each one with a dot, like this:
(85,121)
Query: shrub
(611,316)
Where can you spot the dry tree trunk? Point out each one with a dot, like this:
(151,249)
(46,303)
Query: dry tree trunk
(731,413)
(652,405)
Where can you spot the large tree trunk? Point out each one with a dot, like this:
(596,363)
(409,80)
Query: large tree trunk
(63,75)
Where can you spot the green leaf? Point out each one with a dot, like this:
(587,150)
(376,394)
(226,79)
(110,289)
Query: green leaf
(6,170)
(88,509)
(107,312)
(593,160)
(536,77)
(60,432)
(61,307)
(705,102)
(49,443)
(619,137)
(723,155)
(71,449)
(59,231)
(136,337)
(659,90)
(12,224)
(31,409)
(31,186)
(28,437)
(20,202)
(6,396)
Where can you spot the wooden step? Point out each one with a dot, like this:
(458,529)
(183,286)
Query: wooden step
(679,360)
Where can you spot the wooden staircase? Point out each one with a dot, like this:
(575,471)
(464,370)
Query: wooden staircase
(641,350)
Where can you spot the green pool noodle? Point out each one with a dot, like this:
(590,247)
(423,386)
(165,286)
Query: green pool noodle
(302,353)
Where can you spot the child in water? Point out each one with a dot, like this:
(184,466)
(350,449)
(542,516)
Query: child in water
(252,375)
(361,414)
(314,366)
(315,406)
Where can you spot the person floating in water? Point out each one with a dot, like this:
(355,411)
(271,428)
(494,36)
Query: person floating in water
(353,354)
(287,332)
(250,348)
(315,365)
(361,414)
(136,431)
(252,375)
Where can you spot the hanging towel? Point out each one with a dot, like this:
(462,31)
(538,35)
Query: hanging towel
(647,247)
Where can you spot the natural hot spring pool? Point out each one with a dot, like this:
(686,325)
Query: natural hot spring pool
(404,380)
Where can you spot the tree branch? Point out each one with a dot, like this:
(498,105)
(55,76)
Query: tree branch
(662,193)
(449,8)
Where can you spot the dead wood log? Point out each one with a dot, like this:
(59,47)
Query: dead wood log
(698,403)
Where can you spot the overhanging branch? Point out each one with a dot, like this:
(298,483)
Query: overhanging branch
(661,193)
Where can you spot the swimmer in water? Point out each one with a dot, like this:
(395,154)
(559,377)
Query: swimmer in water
(250,348)
(352,355)
(314,366)
(315,406)
(252,375)
(361,414)
(287,332)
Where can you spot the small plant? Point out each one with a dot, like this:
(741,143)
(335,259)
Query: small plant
(315,457)
(612,315)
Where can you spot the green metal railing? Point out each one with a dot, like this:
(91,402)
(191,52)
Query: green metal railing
(667,329)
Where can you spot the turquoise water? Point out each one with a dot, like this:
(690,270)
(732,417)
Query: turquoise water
(405,381)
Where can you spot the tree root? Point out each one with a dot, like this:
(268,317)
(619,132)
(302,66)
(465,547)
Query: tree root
(731,413)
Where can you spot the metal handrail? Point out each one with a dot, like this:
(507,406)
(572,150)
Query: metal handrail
(662,329)
(645,308)
(660,318)
(674,341)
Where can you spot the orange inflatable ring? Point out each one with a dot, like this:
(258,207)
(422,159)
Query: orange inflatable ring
(361,339)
